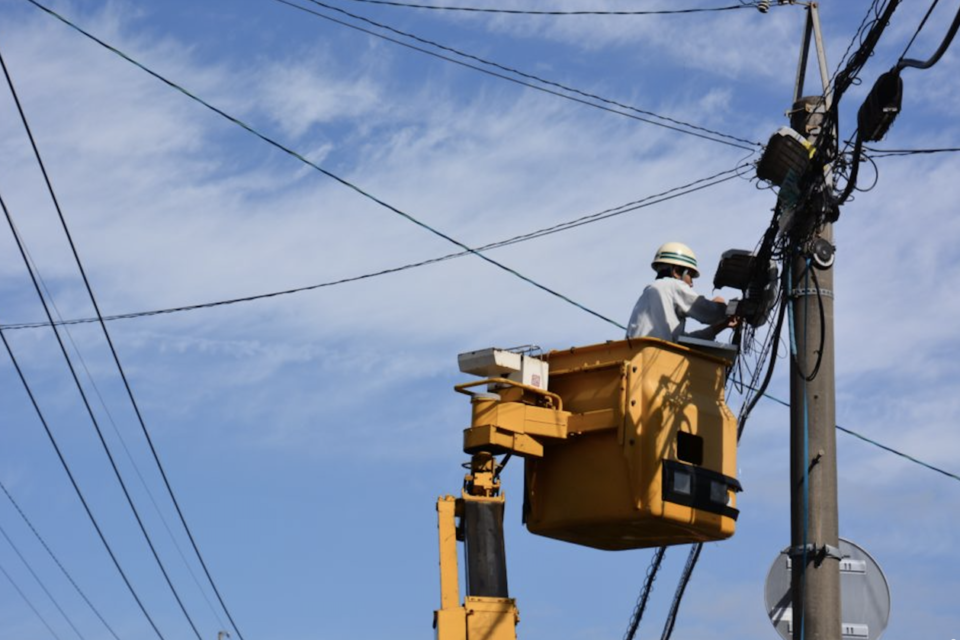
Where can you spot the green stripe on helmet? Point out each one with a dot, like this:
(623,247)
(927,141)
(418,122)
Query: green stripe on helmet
(678,256)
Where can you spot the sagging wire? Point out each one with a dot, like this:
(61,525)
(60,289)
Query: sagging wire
(919,28)
(41,583)
(808,273)
(116,359)
(935,58)
(56,560)
(692,559)
(326,172)
(751,403)
(902,63)
(528,12)
(28,602)
(559,89)
(890,153)
(96,425)
(645,592)
(647,201)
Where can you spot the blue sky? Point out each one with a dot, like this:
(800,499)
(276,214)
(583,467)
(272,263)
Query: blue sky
(307,436)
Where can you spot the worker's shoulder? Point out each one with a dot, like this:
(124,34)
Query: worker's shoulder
(666,285)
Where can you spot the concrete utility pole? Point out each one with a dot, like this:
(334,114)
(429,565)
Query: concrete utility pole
(814,531)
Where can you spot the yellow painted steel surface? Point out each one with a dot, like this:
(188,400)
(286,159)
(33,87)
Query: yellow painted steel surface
(478,618)
(449,572)
(491,618)
(656,461)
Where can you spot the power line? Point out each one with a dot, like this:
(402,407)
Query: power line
(93,419)
(647,201)
(916,33)
(116,359)
(29,603)
(329,174)
(123,442)
(692,558)
(320,169)
(407,5)
(877,444)
(898,453)
(40,582)
(56,560)
(645,592)
(631,111)
(944,45)
(73,480)
(889,153)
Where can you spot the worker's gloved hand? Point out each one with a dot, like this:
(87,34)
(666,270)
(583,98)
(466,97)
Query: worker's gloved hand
(730,322)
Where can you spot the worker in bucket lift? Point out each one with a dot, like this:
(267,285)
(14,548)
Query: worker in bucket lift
(664,306)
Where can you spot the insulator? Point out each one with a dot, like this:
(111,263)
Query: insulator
(763,6)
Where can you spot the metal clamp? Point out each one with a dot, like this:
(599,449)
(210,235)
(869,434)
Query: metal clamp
(799,293)
(814,551)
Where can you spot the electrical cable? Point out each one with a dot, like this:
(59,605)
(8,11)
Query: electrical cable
(502,465)
(691,129)
(807,271)
(857,36)
(823,326)
(889,153)
(692,558)
(40,582)
(56,560)
(876,175)
(644,202)
(329,174)
(29,603)
(944,45)
(898,453)
(860,436)
(761,391)
(116,359)
(841,82)
(694,555)
(844,79)
(407,5)
(671,625)
(95,422)
(873,8)
(919,28)
(645,592)
(123,441)
(73,480)
(854,170)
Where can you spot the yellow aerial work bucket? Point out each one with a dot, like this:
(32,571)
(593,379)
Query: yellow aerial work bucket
(650,454)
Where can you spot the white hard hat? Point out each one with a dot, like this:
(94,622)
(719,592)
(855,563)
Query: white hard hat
(676,253)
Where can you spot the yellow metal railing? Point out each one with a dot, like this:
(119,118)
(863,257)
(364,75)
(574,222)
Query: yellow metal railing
(556,400)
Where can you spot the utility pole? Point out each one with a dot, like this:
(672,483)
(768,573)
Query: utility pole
(814,530)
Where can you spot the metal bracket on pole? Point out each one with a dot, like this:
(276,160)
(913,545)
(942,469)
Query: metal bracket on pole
(799,293)
(819,553)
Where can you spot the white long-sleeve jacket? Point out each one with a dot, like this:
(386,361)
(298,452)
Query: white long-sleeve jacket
(664,306)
